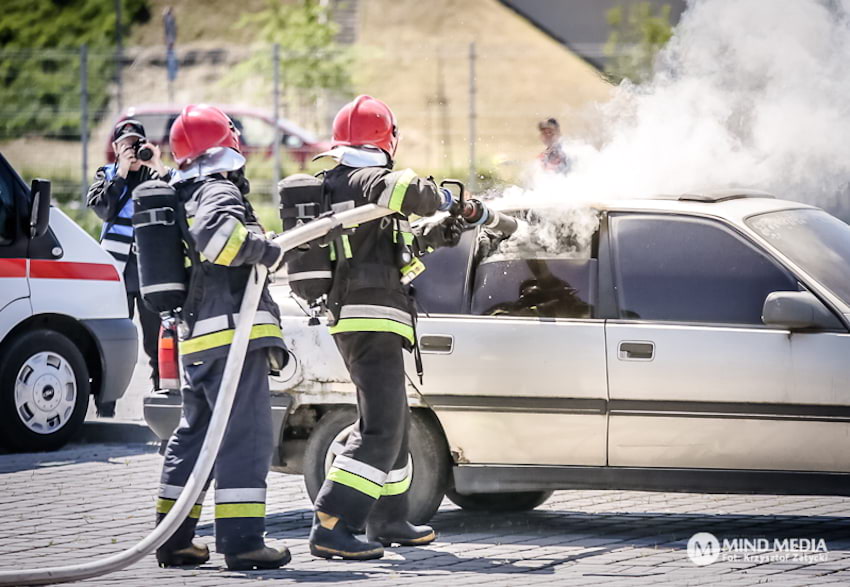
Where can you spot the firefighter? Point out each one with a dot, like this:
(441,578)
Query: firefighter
(110,198)
(372,320)
(225,242)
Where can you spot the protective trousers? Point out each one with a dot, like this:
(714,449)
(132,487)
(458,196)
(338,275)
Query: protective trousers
(369,479)
(150,322)
(243,460)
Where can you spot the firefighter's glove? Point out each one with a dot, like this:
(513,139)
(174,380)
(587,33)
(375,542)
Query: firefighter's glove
(274,257)
(445,233)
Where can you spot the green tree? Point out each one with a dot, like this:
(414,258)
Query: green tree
(637,34)
(40,64)
(310,60)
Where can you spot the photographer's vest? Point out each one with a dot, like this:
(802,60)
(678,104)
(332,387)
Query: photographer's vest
(117,235)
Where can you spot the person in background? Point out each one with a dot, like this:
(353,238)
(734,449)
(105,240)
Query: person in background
(110,196)
(553,159)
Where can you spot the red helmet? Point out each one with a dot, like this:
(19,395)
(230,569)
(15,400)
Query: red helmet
(198,129)
(366,121)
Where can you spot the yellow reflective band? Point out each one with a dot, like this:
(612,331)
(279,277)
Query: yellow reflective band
(406,237)
(362,485)
(373,325)
(400,189)
(240,510)
(225,337)
(346,246)
(163,506)
(332,250)
(234,243)
(398,487)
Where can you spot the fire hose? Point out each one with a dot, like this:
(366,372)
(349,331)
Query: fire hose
(477,213)
(218,421)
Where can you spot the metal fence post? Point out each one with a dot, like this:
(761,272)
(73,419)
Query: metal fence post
(119,57)
(472,171)
(84,118)
(276,115)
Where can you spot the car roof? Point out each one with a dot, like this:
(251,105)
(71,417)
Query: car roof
(733,204)
(175,109)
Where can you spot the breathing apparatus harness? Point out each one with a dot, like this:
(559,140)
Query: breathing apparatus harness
(162,232)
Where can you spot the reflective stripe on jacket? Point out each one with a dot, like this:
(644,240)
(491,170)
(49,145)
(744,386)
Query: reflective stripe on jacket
(372,299)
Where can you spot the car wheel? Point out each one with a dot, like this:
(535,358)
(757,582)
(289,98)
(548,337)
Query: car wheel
(520,501)
(44,391)
(428,449)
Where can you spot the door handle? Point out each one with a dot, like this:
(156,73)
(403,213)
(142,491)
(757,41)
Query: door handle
(437,343)
(636,351)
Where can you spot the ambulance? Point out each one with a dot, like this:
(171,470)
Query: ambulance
(65,333)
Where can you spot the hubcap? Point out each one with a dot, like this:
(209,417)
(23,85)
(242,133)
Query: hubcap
(45,392)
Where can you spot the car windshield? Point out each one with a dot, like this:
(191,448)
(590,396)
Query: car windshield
(817,242)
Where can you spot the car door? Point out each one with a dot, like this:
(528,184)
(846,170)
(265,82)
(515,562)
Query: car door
(516,373)
(695,377)
(14,285)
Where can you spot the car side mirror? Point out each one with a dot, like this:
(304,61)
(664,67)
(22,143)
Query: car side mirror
(40,210)
(797,310)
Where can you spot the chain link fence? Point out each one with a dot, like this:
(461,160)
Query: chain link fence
(467,110)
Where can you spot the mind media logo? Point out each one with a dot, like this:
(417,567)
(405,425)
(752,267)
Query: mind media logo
(703,548)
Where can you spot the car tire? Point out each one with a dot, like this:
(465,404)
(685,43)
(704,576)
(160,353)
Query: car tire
(519,501)
(34,415)
(430,455)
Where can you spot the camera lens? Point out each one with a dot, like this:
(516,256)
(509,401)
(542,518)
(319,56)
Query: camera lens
(144,153)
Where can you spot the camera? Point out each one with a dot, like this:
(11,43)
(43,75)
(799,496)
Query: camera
(143,153)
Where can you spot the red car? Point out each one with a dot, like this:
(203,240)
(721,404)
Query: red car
(256,126)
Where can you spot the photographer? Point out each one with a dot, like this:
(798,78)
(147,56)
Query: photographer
(109,196)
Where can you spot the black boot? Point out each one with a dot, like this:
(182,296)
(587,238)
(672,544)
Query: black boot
(401,533)
(191,556)
(262,558)
(340,541)
(105,410)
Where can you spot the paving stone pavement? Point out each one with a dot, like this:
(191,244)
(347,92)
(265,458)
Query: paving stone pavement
(89,501)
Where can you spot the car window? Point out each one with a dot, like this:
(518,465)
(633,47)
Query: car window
(256,132)
(8,217)
(543,287)
(157,126)
(690,270)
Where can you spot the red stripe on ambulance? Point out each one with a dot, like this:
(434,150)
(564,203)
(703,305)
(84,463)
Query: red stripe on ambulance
(13,267)
(40,269)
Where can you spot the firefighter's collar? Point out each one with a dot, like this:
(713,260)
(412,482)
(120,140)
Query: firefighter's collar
(217,160)
(356,156)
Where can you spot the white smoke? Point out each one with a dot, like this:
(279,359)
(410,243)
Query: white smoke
(748,93)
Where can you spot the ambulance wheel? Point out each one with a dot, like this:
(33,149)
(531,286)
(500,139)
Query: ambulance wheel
(44,391)
(519,501)
(430,455)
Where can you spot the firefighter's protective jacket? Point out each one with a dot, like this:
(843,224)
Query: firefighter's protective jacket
(227,240)
(369,297)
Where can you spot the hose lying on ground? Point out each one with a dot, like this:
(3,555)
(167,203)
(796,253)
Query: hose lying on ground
(218,422)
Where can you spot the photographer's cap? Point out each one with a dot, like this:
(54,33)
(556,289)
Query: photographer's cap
(128,128)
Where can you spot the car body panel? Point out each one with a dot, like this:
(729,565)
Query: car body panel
(497,359)
(256,126)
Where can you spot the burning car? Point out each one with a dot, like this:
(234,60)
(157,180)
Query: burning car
(694,342)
